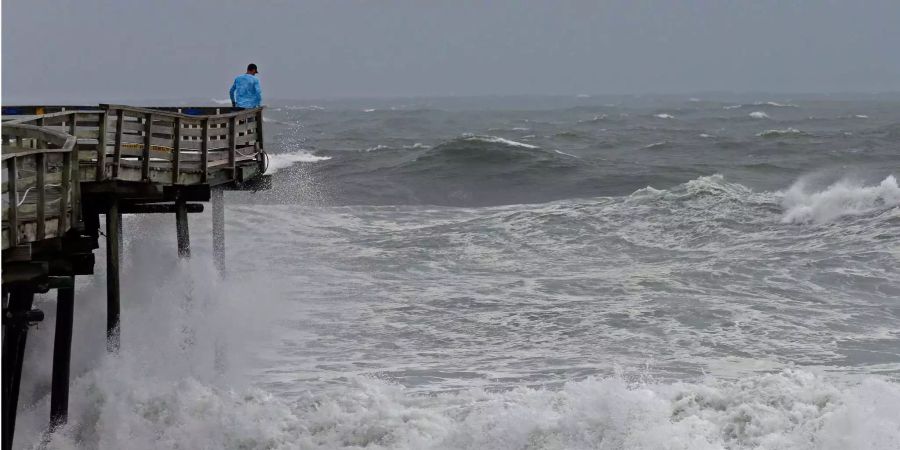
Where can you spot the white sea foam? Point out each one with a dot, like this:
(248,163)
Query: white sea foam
(226,101)
(498,140)
(704,135)
(279,161)
(656,145)
(732,106)
(759,115)
(784,132)
(377,147)
(791,409)
(861,116)
(369,110)
(664,116)
(843,198)
(564,153)
(777,105)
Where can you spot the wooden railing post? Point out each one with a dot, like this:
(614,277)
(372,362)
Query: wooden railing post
(40,185)
(176,151)
(13,199)
(117,150)
(232,146)
(204,151)
(101,148)
(64,186)
(74,172)
(145,155)
(259,130)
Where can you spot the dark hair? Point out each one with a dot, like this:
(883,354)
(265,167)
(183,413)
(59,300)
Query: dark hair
(251,67)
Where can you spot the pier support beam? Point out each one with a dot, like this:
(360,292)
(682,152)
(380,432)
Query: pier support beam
(218,229)
(181,229)
(113,242)
(62,354)
(16,318)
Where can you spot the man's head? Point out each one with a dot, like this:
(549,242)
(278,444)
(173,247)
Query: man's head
(251,69)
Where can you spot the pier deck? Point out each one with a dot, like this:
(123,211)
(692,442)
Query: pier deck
(64,167)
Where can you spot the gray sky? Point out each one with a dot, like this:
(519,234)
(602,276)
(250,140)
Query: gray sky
(98,50)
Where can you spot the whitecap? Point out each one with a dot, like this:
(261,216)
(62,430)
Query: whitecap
(861,116)
(369,110)
(279,161)
(844,198)
(567,154)
(664,116)
(656,145)
(377,147)
(759,115)
(784,132)
(498,140)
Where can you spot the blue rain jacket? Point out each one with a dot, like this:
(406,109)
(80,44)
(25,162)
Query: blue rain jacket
(246,92)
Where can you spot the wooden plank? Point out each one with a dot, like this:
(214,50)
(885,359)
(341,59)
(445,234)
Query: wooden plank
(13,199)
(148,137)
(64,194)
(41,188)
(232,147)
(259,129)
(117,152)
(176,151)
(142,139)
(204,152)
(101,150)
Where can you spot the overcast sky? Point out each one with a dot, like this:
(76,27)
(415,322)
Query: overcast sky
(96,50)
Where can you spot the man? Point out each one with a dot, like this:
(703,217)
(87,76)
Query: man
(245,92)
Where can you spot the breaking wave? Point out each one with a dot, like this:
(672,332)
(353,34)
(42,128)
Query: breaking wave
(781,133)
(843,198)
(279,161)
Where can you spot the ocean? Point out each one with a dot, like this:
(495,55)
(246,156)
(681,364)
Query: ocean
(515,273)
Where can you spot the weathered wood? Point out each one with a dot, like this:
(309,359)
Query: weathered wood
(62,355)
(159,208)
(15,331)
(117,151)
(181,229)
(232,147)
(113,240)
(204,152)
(41,188)
(259,129)
(176,151)
(145,157)
(218,230)
(101,149)
(64,191)
(13,199)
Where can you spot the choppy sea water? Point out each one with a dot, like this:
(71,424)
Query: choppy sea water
(516,273)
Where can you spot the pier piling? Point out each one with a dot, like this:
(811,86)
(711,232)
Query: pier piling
(217,196)
(113,241)
(181,229)
(62,353)
(16,320)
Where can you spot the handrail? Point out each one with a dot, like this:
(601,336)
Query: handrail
(16,210)
(160,112)
(64,140)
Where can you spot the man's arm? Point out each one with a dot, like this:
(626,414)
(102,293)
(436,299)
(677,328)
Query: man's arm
(258,93)
(231,93)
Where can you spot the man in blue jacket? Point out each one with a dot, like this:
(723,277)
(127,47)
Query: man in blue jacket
(245,92)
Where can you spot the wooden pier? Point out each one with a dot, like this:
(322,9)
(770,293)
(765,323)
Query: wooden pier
(64,167)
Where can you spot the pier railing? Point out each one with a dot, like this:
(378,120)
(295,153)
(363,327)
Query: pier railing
(40,184)
(159,145)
